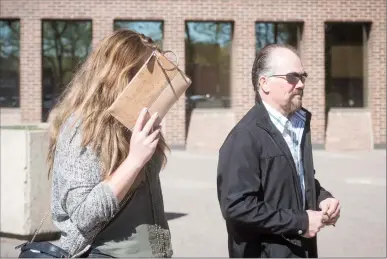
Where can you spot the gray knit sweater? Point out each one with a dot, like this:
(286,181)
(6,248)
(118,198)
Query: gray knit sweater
(82,203)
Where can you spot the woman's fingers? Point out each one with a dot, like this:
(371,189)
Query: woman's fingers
(141,120)
(151,124)
(153,136)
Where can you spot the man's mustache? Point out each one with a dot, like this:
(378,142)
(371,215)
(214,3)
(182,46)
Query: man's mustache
(300,93)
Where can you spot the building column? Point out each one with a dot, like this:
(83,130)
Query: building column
(312,55)
(102,27)
(377,80)
(31,70)
(242,59)
(174,121)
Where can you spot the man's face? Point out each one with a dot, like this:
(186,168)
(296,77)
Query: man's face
(284,85)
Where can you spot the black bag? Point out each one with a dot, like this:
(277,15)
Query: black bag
(41,250)
(49,250)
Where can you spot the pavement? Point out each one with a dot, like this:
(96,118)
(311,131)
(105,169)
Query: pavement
(357,179)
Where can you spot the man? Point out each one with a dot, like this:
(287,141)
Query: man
(272,204)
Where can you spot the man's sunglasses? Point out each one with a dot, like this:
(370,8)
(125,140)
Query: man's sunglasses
(293,77)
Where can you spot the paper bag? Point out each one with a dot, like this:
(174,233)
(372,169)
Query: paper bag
(157,85)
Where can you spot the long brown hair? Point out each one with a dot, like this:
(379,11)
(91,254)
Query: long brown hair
(94,87)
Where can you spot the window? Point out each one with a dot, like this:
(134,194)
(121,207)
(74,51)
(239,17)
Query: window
(151,29)
(345,61)
(285,33)
(208,53)
(9,63)
(65,44)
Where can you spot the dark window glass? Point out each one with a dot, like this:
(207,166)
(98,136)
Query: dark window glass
(208,53)
(151,29)
(286,33)
(9,63)
(65,45)
(345,61)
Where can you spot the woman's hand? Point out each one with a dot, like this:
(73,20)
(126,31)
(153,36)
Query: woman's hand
(143,144)
(144,140)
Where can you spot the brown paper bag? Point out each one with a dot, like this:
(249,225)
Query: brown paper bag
(158,85)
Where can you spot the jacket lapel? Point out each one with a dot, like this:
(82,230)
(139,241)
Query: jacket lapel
(264,122)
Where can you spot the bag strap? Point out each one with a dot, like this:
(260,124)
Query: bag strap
(156,53)
(122,204)
(40,226)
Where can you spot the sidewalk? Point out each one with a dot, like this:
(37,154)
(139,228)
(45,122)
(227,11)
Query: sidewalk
(358,179)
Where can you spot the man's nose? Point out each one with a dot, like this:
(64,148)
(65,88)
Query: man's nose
(300,85)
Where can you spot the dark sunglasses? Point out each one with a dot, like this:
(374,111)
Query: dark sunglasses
(294,77)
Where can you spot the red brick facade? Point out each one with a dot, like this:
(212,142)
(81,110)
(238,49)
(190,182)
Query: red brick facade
(244,14)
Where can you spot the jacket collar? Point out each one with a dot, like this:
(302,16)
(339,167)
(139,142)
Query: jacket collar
(263,119)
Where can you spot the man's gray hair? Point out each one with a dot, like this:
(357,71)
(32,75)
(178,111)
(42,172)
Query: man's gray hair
(261,64)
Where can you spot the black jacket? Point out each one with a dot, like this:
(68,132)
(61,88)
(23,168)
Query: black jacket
(259,190)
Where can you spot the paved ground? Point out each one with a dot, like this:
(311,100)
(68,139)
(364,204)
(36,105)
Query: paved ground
(358,179)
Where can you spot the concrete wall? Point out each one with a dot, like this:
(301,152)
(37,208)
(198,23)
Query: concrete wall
(349,129)
(25,187)
(10,116)
(209,128)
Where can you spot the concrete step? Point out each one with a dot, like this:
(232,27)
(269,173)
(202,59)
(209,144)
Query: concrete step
(349,129)
(208,128)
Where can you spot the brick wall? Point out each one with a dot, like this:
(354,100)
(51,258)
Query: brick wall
(244,14)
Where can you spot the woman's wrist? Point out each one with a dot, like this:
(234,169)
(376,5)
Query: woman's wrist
(122,179)
(131,163)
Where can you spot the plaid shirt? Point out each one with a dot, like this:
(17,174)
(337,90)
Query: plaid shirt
(292,130)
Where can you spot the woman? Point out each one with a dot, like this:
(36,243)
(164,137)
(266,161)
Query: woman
(95,161)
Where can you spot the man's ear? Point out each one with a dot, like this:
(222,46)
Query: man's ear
(263,84)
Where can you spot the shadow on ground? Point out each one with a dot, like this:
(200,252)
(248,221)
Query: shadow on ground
(174,215)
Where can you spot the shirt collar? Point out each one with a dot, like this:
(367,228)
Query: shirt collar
(279,120)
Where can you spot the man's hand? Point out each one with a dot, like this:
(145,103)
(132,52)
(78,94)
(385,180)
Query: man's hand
(330,207)
(316,222)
